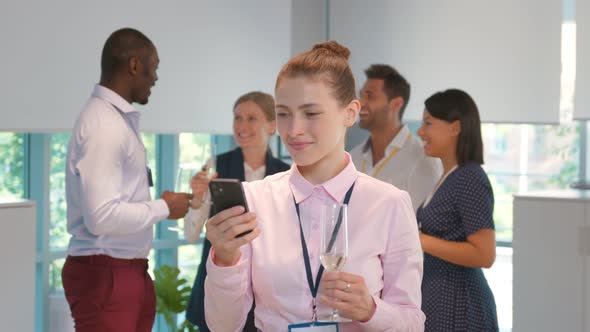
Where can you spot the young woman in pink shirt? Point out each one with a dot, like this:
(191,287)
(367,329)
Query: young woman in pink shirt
(378,289)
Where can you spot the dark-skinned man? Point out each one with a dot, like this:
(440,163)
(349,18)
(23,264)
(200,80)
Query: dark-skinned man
(110,211)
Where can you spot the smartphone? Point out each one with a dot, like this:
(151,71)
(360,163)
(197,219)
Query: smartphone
(227,193)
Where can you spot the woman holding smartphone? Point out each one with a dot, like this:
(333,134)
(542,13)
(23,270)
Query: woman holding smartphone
(456,221)
(254,122)
(378,289)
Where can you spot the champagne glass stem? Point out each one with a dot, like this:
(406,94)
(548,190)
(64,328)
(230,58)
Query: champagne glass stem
(335,316)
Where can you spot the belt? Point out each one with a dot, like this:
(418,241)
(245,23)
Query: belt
(105,260)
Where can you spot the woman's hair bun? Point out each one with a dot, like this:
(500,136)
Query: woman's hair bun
(332,47)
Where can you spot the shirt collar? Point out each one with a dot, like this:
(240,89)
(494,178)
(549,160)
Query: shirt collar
(336,187)
(397,142)
(113,98)
(260,169)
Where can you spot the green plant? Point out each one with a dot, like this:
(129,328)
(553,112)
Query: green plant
(172,294)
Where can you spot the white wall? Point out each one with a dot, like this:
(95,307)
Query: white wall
(308,24)
(211,52)
(505,53)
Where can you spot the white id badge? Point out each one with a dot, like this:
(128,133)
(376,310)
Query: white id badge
(314,327)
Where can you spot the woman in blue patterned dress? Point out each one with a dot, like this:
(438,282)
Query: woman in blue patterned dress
(456,220)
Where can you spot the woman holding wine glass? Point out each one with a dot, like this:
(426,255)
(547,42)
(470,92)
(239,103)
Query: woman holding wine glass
(277,265)
(254,122)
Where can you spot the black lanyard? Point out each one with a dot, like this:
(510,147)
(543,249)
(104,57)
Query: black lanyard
(312,288)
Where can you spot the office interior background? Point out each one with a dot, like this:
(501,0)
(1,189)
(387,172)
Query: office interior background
(525,62)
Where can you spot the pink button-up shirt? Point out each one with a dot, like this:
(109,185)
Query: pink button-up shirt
(384,249)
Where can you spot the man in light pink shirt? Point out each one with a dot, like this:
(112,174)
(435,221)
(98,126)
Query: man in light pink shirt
(378,289)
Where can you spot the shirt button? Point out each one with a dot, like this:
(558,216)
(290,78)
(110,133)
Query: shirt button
(315,227)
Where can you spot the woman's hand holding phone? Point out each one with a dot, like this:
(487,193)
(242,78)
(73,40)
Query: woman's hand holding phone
(223,230)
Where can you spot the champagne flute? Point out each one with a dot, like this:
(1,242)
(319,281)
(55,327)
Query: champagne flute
(211,164)
(211,168)
(334,241)
(183,179)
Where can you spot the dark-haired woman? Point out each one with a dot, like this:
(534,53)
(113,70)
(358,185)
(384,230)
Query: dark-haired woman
(456,220)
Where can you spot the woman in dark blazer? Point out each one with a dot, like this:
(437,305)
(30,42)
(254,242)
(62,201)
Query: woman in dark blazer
(254,123)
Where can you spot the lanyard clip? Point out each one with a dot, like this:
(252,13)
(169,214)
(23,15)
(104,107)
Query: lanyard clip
(314,317)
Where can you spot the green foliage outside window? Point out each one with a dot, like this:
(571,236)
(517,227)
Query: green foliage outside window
(569,154)
(552,164)
(58,236)
(12,158)
(503,190)
(193,148)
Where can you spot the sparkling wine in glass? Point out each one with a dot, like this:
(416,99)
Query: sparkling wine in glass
(334,241)
(211,164)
